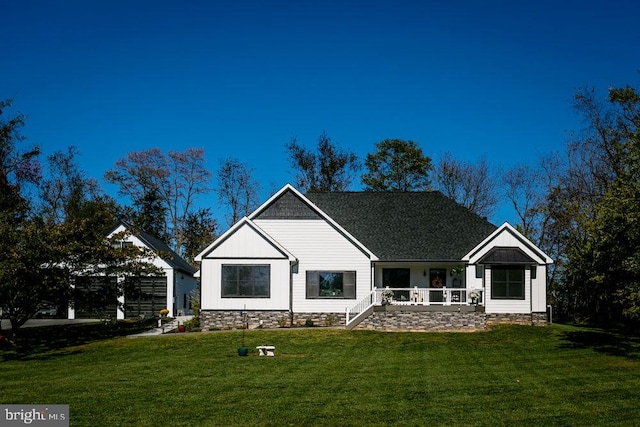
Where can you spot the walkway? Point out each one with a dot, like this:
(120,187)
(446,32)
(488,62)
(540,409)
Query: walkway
(167,327)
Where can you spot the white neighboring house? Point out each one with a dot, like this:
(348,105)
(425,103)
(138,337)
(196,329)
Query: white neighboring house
(361,258)
(172,291)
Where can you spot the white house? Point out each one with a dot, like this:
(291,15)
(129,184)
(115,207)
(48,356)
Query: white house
(371,260)
(171,290)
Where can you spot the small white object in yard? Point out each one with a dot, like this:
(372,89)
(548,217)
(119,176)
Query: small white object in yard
(266,350)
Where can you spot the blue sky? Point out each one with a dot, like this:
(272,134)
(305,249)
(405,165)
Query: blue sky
(240,79)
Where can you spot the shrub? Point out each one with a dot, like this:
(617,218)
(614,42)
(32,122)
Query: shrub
(330,320)
(282,322)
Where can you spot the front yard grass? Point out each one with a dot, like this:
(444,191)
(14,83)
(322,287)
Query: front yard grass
(510,375)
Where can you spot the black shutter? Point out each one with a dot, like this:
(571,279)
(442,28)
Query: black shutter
(313,284)
(349,284)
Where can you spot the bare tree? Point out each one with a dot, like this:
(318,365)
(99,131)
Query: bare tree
(471,185)
(176,178)
(236,189)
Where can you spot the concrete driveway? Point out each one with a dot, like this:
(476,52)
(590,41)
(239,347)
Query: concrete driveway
(47,322)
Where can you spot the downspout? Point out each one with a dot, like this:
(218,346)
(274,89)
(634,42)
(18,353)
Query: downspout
(530,295)
(373,277)
(293,266)
(531,291)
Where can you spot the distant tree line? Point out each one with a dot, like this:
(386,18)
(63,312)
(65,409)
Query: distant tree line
(581,206)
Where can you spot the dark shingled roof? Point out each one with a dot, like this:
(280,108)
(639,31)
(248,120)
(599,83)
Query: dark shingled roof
(406,226)
(166,253)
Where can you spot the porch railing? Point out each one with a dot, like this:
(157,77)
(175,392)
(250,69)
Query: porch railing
(416,296)
(362,305)
(429,296)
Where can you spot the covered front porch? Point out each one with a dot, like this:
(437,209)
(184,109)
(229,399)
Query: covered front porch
(417,283)
(416,299)
(427,283)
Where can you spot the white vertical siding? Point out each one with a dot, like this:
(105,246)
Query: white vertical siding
(319,246)
(246,243)
(539,290)
(472,281)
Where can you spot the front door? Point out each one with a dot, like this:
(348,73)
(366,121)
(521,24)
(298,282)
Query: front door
(397,278)
(437,280)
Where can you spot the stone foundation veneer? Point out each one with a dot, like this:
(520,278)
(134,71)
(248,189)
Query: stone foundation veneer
(391,318)
(536,319)
(215,320)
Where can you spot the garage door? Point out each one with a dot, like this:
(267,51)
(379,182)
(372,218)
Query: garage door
(145,296)
(95,297)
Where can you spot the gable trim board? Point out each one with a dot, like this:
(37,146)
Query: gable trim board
(514,238)
(294,234)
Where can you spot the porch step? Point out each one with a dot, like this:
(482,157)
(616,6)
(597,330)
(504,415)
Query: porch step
(359,318)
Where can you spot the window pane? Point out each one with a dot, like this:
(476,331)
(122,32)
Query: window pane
(396,277)
(245,273)
(499,274)
(331,284)
(229,273)
(499,289)
(229,288)
(262,273)
(516,290)
(245,288)
(516,275)
(261,289)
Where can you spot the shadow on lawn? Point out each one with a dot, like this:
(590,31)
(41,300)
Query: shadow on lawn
(613,343)
(50,341)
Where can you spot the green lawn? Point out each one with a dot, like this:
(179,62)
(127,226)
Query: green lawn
(511,376)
